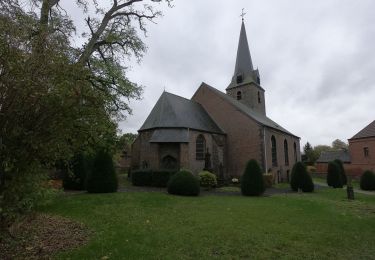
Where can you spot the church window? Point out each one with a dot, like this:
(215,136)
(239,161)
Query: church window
(295,152)
(259,97)
(274,151)
(286,152)
(239,79)
(366,152)
(239,95)
(200,147)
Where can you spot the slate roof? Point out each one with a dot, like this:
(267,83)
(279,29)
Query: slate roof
(172,111)
(180,135)
(368,131)
(329,156)
(260,118)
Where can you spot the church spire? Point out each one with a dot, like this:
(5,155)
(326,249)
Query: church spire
(243,60)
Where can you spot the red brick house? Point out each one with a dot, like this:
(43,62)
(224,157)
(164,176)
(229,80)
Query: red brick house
(362,150)
(232,127)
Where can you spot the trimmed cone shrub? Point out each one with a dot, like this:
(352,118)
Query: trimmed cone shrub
(142,177)
(75,179)
(301,179)
(184,183)
(367,181)
(102,178)
(344,179)
(334,175)
(207,179)
(252,183)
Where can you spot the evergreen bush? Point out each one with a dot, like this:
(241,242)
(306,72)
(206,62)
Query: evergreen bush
(102,178)
(333,175)
(160,178)
(344,179)
(184,183)
(367,181)
(301,179)
(75,178)
(207,179)
(252,183)
(142,177)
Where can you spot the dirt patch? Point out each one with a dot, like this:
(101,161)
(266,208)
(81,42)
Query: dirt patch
(41,236)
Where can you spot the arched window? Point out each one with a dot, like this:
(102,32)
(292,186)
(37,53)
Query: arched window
(274,151)
(200,147)
(295,151)
(259,100)
(286,152)
(239,95)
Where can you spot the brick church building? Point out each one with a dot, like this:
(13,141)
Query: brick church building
(230,128)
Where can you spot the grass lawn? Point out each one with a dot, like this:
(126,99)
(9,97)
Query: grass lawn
(154,225)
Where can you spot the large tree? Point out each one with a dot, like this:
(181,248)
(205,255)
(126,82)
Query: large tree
(55,98)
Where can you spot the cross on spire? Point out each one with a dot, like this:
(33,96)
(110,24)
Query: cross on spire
(243,13)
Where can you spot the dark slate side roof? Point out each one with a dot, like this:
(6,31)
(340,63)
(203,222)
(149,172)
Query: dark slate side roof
(329,156)
(170,135)
(260,118)
(172,111)
(368,131)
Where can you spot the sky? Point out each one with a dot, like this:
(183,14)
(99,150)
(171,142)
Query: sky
(316,60)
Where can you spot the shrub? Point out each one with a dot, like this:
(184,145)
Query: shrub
(160,178)
(334,175)
(207,179)
(367,181)
(102,178)
(184,183)
(301,179)
(268,180)
(252,183)
(75,178)
(344,179)
(142,177)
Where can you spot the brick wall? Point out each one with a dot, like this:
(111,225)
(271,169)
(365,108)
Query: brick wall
(360,162)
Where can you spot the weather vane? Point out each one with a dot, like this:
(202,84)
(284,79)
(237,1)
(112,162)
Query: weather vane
(243,13)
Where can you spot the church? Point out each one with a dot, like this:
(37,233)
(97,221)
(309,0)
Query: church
(228,128)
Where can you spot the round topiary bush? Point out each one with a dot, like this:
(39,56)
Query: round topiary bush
(333,175)
(367,181)
(103,178)
(344,179)
(252,183)
(207,179)
(184,183)
(301,179)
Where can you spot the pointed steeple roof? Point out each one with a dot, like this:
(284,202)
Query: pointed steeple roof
(244,65)
(243,60)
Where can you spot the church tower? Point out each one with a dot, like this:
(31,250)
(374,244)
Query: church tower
(245,84)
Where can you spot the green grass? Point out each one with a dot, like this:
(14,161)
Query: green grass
(151,225)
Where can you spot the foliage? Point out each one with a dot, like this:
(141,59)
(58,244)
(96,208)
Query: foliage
(75,177)
(252,183)
(312,154)
(141,177)
(268,180)
(367,181)
(339,145)
(102,178)
(184,183)
(160,178)
(334,175)
(207,179)
(301,179)
(344,179)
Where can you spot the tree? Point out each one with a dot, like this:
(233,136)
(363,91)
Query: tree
(339,145)
(56,98)
(333,175)
(301,179)
(252,183)
(342,171)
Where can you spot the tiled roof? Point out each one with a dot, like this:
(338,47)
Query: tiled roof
(172,111)
(368,131)
(329,156)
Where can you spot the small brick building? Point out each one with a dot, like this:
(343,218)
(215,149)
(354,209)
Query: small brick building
(362,150)
(230,127)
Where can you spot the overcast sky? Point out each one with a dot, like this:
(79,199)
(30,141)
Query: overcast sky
(316,60)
